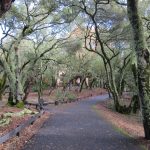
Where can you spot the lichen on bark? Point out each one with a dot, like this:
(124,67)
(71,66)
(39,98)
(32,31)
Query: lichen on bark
(143,65)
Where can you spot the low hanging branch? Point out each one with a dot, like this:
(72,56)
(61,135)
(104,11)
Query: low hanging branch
(121,3)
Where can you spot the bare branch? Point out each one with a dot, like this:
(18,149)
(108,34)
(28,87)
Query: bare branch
(120,3)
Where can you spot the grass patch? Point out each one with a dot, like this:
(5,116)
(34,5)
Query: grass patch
(20,104)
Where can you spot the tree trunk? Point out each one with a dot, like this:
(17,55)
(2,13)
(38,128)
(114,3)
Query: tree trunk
(10,98)
(134,71)
(2,85)
(113,88)
(143,65)
(82,82)
(18,90)
(92,83)
(26,90)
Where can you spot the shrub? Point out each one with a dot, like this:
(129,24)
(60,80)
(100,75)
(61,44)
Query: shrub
(34,89)
(20,104)
(70,96)
(65,95)
(60,95)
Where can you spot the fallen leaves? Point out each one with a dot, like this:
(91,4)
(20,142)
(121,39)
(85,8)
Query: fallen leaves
(17,143)
(128,124)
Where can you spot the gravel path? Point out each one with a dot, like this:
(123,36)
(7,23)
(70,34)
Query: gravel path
(78,127)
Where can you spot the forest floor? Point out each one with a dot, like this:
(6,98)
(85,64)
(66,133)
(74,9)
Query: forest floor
(128,124)
(33,97)
(131,125)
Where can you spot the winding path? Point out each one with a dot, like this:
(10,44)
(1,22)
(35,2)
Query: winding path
(77,126)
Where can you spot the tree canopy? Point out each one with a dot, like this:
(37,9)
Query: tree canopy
(104,41)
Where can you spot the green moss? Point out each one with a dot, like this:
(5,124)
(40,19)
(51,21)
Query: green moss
(5,121)
(10,102)
(20,104)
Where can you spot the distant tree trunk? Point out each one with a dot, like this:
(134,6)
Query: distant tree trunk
(121,87)
(10,98)
(26,90)
(92,83)
(82,83)
(53,84)
(134,71)
(112,85)
(100,83)
(40,83)
(143,63)
(17,76)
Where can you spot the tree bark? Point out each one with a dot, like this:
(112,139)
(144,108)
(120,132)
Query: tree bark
(143,65)
(18,86)
(5,6)
(27,87)
(82,82)
(2,85)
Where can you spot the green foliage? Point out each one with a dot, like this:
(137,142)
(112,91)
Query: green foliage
(4,121)
(19,114)
(45,85)
(20,104)
(60,95)
(49,5)
(65,95)
(6,117)
(42,26)
(72,46)
(34,88)
(70,96)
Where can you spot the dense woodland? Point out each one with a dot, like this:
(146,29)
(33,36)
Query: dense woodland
(100,43)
